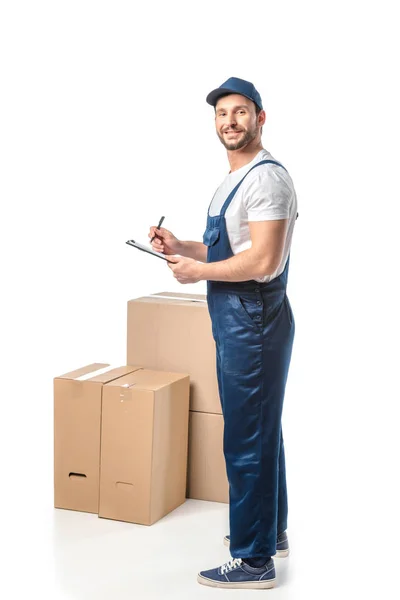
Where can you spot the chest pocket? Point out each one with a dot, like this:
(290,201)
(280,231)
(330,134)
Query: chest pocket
(211,236)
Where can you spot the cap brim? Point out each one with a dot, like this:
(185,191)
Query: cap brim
(215,95)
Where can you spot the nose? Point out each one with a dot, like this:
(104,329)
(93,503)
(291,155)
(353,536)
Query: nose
(231,123)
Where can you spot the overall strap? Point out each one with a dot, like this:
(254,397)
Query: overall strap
(235,189)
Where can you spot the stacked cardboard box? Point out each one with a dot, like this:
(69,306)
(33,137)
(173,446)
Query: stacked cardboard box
(120,441)
(77,426)
(144,443)
(172,332)
(126,445)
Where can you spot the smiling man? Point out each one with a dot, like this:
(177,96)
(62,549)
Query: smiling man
(244,257)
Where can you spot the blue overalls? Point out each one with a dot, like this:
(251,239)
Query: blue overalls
(253,328)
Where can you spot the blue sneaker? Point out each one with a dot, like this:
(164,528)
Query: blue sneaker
(236,574)
(282,545)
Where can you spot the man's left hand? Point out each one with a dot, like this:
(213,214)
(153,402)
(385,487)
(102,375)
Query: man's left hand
(186,270)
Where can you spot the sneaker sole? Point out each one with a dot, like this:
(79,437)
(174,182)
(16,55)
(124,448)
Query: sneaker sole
(256,585)
(279,553)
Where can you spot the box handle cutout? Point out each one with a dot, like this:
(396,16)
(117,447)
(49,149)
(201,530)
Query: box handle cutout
(124,485)
(77,475)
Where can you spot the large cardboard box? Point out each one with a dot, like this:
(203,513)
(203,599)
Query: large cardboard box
(144,439)
(77,419)
(207,478)
(172,332)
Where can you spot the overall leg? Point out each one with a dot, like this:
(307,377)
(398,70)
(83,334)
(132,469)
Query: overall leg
(254,366)
(282,491)
(282,495)
(214,324)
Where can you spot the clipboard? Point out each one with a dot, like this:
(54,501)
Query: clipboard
(148,250)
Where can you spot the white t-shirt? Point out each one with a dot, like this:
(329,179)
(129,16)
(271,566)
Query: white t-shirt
(267,193)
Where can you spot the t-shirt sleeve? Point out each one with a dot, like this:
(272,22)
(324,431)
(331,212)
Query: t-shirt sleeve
(268,197)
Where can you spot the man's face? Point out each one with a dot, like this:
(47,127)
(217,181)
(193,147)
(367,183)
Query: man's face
(235,121)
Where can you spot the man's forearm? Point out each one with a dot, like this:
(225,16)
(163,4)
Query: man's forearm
(243,266)
(195,250)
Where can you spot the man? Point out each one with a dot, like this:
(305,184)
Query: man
(244,258)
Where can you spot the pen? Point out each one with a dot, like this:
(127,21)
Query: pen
(158,227)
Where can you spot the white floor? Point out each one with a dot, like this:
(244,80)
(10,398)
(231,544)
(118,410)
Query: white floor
(63,554)
(343,517)
(104,559)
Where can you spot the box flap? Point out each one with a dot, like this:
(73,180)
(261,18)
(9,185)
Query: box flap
(99,373)
(175,298)
(182,295)
(83,371)
(146,379)
(113,373)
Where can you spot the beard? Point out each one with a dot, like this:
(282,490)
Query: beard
(245,137)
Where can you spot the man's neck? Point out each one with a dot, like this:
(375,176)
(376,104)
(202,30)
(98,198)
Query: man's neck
(240,158)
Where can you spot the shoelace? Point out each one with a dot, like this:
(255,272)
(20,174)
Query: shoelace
(230,565)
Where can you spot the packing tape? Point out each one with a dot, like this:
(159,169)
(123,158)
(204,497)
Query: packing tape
(176,298)
(124,392)
(96,373)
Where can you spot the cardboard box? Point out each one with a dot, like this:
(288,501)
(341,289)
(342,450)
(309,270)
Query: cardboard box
(173,333)
(207,478)
(144,440)
(77,419)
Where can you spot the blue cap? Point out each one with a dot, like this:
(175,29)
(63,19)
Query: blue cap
(234,85)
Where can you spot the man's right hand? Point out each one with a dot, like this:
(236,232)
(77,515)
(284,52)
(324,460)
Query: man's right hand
(165,241)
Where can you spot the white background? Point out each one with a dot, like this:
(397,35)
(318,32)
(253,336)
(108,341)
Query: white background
(104,128)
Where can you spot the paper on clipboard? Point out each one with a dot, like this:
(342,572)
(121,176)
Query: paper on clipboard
(146,249)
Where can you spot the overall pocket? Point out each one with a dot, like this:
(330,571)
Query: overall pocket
(210,236)
(241,334)
(251,307)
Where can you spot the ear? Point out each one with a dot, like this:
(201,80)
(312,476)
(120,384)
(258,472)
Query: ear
(262,117)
